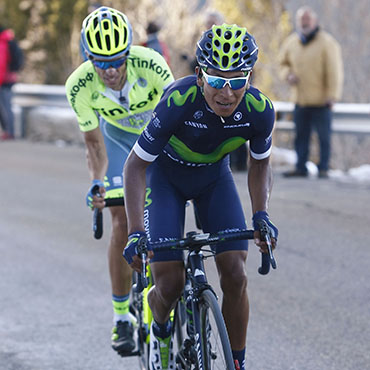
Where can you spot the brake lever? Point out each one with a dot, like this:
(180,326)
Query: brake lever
(143,253)
(267,258)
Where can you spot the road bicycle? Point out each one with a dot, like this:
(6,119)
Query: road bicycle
(200,336)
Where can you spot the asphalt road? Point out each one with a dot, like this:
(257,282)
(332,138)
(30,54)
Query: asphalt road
(312,313)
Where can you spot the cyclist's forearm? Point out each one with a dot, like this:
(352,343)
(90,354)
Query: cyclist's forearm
(134,189)
(259,183)
(96,155)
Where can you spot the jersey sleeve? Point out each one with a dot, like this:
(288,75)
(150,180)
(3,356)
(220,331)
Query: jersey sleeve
(160,73)
(158,132)
(261,143)
(78,96)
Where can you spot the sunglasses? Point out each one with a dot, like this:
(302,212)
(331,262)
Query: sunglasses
(219,82)
(109,63)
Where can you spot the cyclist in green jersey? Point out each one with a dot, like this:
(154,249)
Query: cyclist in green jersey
(113,95)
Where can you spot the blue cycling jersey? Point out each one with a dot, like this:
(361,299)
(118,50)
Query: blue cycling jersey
(192,143)
(185,129)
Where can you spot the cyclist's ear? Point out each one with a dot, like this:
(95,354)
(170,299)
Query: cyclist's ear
(198,72)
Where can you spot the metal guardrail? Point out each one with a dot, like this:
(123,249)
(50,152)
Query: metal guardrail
(349,118)
(30,95)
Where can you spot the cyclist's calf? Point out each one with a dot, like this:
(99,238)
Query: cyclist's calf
(169,280)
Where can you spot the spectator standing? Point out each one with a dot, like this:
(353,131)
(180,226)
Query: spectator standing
(311,62)
(154,42)
(7,80)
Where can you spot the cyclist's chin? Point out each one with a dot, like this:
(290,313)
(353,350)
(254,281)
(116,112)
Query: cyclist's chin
(112,83)
(224,110)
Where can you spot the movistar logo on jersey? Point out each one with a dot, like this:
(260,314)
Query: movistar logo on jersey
(188,155)
(258,105)
(150,64)
(180,99)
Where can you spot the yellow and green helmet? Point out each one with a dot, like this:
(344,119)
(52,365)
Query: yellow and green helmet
(106,33)
(227,48)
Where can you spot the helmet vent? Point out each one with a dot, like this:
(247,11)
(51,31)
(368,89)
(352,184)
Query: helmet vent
(237,34)
(217,43)
(225,61)
(226,47)
(237,45)
(208,46)
(245,49)
(218,31)
(106,24)
(95,20)
(89,39)
(215,53)
(116,38)
(236,56)
(98,40)
(115,20)
(228,35)
(107,41)
(205,53)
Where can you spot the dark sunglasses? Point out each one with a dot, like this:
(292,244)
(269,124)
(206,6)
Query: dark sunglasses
(219,82)
(109,63)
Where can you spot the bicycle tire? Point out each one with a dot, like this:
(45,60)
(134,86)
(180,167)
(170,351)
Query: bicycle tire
(136,308)
(215,342)
(179,323)
(144,353)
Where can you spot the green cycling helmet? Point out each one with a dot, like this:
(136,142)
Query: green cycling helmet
(227,48)
(106,33)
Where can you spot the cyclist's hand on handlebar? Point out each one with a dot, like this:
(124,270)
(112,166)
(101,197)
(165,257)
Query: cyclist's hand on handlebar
(262,215)
(135,248)
(95,195)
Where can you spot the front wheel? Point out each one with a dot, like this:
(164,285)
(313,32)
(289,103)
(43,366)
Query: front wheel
(214,338)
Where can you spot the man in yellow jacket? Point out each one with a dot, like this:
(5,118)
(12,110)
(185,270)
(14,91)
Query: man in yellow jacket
(311,62)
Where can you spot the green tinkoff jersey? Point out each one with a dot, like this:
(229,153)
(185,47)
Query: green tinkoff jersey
(147,76)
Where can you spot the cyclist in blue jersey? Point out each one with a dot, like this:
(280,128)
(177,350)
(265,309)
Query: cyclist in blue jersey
(113,95)
(183,155)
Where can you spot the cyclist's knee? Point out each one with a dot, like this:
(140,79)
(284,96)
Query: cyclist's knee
(233,277)
(119,226)
(119,219)
(234,283)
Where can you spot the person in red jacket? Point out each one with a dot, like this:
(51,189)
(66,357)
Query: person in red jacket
(7,79)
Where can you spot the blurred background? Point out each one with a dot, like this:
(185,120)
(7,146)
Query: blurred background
(49,32)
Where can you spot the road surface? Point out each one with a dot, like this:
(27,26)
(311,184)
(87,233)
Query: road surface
(312,313)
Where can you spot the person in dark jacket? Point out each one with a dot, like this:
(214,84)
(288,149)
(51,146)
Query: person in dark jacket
(154,42)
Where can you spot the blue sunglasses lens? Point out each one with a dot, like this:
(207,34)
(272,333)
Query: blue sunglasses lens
(219,82)
(238,83)
(216,82)
(107,64)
